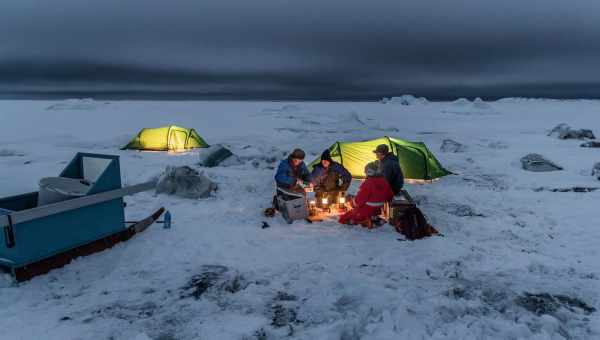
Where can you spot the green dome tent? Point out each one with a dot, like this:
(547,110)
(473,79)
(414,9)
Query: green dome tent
(418,164)
(166,138)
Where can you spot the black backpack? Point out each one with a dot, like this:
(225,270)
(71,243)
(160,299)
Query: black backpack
(413,225)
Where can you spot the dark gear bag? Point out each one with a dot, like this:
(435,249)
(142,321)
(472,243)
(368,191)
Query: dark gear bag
(413,225)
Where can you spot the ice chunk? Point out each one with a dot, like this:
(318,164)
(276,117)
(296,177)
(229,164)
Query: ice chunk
(537,163)
(478,103)
(461,102)
(564,131)
(449,145)
(10,153)
(406,99)
(596,170)
(464,107)
(185,182)
(590,145)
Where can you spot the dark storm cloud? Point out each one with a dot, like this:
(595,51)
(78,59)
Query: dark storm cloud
(303,49)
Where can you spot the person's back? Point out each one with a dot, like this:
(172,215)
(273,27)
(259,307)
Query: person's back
(390,166)
(374,190)
(371,196)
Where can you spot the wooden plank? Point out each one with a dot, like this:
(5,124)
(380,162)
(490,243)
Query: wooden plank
(75,203)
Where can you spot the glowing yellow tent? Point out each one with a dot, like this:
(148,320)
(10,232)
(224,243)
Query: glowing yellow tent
(166,138)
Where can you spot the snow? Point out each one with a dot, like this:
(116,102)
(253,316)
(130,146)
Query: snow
(502,238)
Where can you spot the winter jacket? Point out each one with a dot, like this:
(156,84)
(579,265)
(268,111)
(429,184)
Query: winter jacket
(329,179)
(287,175)
(390,167)
(373,192)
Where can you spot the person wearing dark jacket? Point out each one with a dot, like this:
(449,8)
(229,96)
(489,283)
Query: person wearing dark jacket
(329,178)
(291,174)
(390,167)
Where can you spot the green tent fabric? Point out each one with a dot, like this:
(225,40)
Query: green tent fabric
(166,138)
(417,162)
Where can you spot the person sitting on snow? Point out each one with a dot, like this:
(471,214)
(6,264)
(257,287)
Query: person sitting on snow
(291,175)
(370,199)
(390,167)
(329,178)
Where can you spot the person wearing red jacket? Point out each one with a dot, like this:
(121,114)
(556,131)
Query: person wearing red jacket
(369,200)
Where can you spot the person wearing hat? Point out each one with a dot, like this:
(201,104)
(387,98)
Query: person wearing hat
(330,178)
(390,167)
(292,174)
(370,199)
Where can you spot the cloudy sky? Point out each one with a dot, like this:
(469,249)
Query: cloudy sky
(303,48)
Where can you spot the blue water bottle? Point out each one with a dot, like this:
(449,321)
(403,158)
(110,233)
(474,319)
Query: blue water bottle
(167,222)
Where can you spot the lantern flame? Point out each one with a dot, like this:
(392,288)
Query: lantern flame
(324,201)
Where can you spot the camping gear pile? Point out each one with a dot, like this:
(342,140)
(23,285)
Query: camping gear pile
(76,214)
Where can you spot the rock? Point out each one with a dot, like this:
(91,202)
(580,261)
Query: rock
(537,163)
(449,145)
(284,296)
(282,316)
(596,170)
(564,131)
(185,182)
(590,145)
(218,155)
(572,189)
(545,303)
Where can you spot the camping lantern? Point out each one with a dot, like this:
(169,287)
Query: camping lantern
(325,204)
(312,207)
(342,203)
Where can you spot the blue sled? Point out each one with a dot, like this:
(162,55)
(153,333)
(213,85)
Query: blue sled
(38,234)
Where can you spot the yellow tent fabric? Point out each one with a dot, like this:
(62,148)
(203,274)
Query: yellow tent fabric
(166,138)
(418,164)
